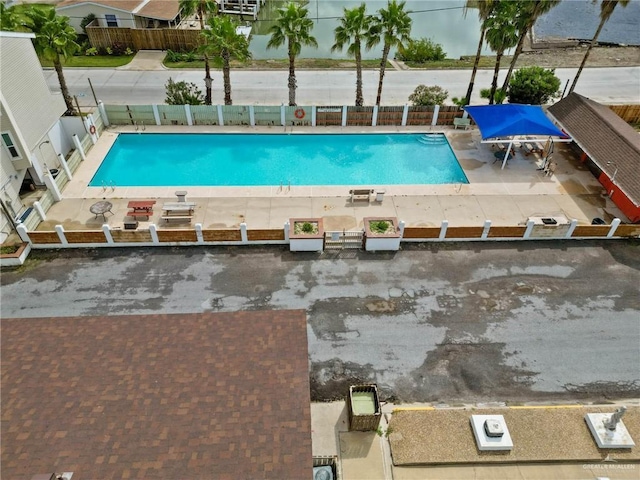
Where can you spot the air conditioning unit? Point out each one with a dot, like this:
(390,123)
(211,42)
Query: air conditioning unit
(322,473)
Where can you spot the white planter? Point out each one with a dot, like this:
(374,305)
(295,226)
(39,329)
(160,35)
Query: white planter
(306,242)
(375,244)
(16,259)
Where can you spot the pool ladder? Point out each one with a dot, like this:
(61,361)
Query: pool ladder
(288,186)
(111,185)
(139,127)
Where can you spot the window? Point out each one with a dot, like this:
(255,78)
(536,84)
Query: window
(112,21)
(10,145)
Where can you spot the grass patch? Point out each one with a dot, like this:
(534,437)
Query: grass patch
(305,228)
(84,61)
(381,226)
(9,249)
(278,64)
(453,63)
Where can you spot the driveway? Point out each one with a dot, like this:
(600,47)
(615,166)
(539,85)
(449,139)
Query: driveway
(434,322)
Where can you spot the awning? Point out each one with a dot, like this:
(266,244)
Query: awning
(509,120)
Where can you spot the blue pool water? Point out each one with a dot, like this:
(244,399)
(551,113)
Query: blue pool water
(259,160)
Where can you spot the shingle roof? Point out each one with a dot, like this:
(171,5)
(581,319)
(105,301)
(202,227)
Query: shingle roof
(158,9)
(222,396)
(605,137)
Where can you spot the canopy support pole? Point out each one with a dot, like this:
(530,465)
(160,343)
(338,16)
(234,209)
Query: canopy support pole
(507,153)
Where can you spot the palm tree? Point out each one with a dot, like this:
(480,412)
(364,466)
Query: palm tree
(203,8)
(293,26)
(9,19)
(606,10)
(394,25)
(485,7)
(221,40)
(528,14)
(55,39)
(501,34)
(354,26)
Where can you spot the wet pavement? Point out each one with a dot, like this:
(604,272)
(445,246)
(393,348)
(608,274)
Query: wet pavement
(433,322)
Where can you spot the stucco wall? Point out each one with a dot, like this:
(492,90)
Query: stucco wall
(77,12)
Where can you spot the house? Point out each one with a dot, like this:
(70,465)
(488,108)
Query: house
(609,147)
(122,13)
(30,126)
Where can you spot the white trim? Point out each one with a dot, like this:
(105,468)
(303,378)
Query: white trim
(93,3)
(142,4)
(14,144)
(17,34)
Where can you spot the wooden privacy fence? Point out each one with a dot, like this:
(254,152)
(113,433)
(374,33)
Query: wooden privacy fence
(153,236)
(144,38)
(283,115)
(629,113)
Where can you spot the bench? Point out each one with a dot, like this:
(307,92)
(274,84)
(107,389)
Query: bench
(360,194)
(177,218)
(461,122)
(139,214)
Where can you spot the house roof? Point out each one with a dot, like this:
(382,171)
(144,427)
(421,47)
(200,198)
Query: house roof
(222,395)
(157,9)
(608,140)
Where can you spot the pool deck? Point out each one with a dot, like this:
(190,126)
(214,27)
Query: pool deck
(506,197)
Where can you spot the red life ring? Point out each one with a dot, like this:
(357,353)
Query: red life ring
(299,113)
(92,129)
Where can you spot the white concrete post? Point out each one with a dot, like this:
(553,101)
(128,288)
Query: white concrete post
(572,227)
(220,117)
(107,233)
(313,116)
(23,233)
(374,117)
(156,114)
(88,124)
(103,113)
(286,231)
(282,115)
(252,116)
(465,114)
(485,229)
(436,112)
(405,115)
(401,225)
(65,167)
(344,115)
(76,142)
(154,234)
(243,233)
(614,227)
(40,210)
(443,229)
(187,112)
(199,236)
(60,231)
(52,186)
(527,232)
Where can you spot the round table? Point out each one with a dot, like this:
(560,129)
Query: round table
(500,156)
(100,208)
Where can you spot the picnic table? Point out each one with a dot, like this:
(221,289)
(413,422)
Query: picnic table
(181,211)
(140,208)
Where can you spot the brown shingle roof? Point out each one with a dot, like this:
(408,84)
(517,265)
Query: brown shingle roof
(222,396)
(605,137)
(158,9)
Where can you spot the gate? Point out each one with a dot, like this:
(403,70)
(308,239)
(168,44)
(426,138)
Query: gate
(343,240)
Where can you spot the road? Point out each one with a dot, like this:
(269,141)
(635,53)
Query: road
(619,85)
(433,322)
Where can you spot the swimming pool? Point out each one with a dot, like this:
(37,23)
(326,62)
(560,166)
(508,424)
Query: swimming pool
(152,159)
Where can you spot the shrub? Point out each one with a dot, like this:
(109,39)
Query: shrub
(86,21)
(421,51)
(307,227)
(109,51)
(90,52)
(183,93)
(128,51)
(379,226)
(425,96)
(117,48)
(498,97)
(533,86)
(175,57)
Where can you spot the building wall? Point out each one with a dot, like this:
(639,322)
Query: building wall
(77,12)
(624,203)
(24,88)
(10,177)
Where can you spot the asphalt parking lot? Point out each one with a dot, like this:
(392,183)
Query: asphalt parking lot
(433,322)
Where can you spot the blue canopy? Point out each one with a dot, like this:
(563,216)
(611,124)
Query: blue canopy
(512,119)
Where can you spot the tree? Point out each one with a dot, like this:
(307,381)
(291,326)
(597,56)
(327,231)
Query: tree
(203,8)
(86,21)
(55,40)
(393,24)
(485,7)
(501,34)
(427,96)
(221,40)
(533,86)
(182,93)
(294,27)
(528,14)
(354,27)
(9,19)
(606,10)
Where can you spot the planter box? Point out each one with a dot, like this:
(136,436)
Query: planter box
(364,408)
(17,258)
(302,242)
(381,241)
